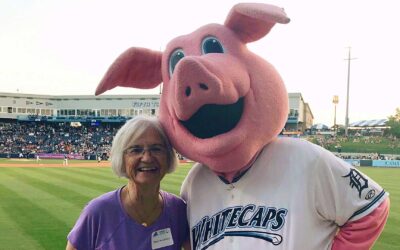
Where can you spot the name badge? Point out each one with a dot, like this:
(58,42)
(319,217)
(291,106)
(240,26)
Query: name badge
(161,238)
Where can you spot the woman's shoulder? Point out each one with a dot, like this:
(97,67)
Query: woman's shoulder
(173,199)
(98,221)
(174,210)
(104,203)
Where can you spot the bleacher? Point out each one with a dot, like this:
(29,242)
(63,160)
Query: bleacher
(82,119)
(31,135)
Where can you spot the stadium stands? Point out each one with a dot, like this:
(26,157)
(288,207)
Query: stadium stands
(87,137)
(27,138)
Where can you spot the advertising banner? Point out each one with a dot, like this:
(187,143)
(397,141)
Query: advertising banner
(60,156)
(386,163)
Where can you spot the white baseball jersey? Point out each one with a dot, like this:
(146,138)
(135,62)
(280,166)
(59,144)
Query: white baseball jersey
(295,196)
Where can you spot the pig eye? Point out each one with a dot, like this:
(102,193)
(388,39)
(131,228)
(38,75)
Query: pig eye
(175,57)
(211,45)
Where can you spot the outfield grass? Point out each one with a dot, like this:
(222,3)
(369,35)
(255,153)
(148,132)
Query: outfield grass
(39,206)
(389,179)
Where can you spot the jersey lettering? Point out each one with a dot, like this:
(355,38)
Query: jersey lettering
(251,220)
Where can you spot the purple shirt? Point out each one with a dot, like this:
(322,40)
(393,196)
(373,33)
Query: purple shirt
(104,224)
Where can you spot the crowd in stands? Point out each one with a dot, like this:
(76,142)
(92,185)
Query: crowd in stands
(334,144)
(30,138)
(329,141)
(371,156)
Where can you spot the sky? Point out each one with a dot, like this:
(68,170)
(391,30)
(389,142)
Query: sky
(56,47)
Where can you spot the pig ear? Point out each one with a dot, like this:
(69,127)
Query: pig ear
(135,68)
(252,21)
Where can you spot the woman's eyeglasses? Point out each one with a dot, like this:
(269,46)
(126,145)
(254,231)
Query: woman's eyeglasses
(155,150)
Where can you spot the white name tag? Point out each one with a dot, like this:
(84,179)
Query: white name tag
(161,238)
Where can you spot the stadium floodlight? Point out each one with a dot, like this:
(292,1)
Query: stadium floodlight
(335,101)
(348,90)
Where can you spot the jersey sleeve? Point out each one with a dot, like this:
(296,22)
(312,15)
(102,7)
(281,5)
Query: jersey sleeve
(83,234)
(362,234)
(184,189)
(342,192)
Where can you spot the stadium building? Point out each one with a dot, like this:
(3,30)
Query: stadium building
(300,116)
(77,127)
(113,108)
(22,106)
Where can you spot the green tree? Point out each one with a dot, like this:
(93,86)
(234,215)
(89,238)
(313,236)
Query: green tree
(394,123)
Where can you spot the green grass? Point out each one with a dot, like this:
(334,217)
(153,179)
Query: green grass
(389,179)
(39,206)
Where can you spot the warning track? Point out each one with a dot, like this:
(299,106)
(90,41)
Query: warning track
(53,165)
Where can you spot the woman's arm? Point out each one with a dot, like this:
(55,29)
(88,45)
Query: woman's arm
(70,246)
(186,245)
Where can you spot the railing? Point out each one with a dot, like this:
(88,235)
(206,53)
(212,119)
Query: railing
(84,119)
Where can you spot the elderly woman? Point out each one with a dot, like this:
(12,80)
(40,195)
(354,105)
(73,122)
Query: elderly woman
(138,215)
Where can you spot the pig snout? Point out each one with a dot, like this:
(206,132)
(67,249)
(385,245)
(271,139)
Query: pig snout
(199,82)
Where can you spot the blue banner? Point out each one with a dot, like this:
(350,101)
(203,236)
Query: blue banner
(387,164)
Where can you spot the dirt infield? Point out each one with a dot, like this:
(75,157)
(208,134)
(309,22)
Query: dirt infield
(31,163)
(53,165)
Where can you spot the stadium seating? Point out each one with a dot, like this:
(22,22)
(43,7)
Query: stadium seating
(31,137)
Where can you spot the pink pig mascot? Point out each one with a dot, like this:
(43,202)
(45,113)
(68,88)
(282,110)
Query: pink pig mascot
(223,106)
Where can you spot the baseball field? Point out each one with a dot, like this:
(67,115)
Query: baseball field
(40,201)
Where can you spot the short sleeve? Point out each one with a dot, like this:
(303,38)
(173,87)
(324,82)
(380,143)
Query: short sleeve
(185,224)
(342,192)
(83,234)
(177,209)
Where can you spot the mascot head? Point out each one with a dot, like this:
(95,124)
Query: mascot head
(220,103)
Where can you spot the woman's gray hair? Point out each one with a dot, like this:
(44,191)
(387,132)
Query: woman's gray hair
(131,131)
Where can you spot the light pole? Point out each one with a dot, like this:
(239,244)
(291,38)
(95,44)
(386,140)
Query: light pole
(335,101)
(346,128)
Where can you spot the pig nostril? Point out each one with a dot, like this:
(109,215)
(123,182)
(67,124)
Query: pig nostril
(203,86)
(188,90)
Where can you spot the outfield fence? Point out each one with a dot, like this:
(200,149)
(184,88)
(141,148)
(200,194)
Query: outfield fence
(48,156)
(374,163)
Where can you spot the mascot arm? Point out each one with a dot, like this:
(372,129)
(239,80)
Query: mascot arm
(362,233)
